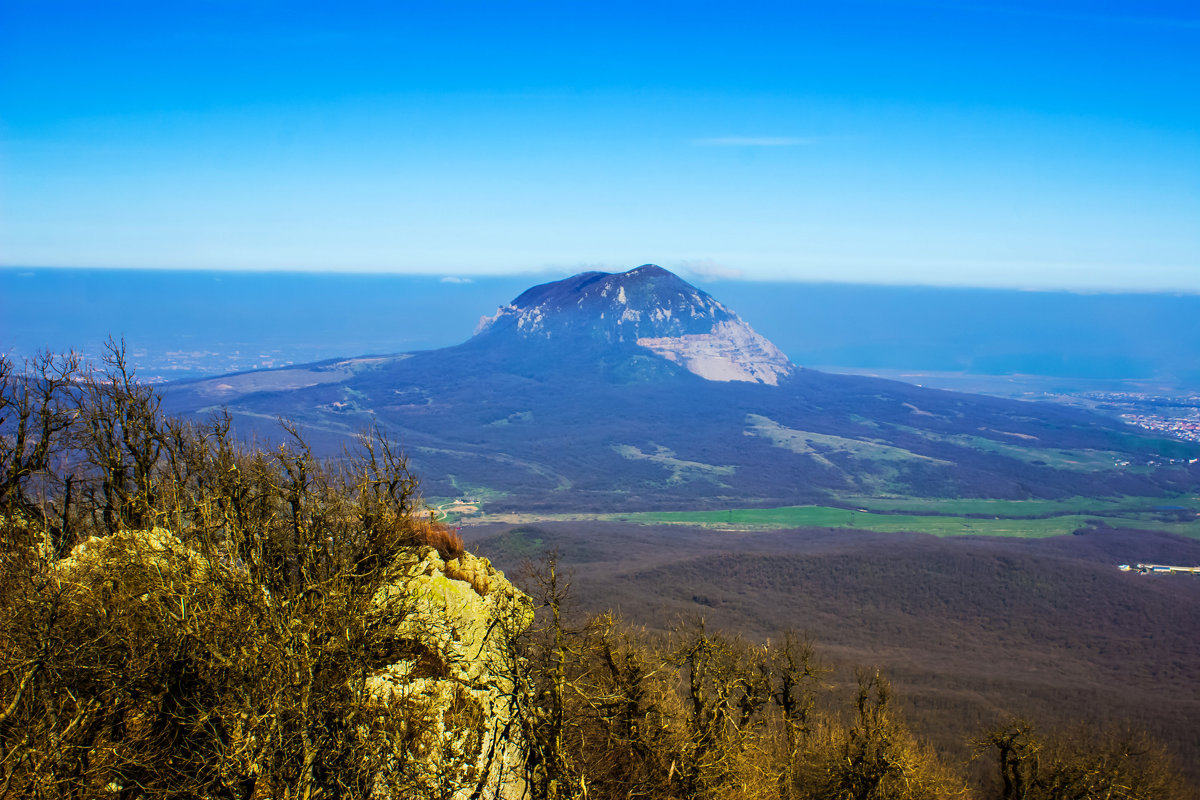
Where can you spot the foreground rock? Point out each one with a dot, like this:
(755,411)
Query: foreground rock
(454,621)
(415,697)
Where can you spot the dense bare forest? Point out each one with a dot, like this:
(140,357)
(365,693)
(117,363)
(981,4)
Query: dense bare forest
(187,615)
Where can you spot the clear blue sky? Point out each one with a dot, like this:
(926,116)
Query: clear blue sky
(1022,143)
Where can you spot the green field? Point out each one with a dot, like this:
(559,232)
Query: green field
(948,517)
(939,517)
(1091,506)
(1028,450)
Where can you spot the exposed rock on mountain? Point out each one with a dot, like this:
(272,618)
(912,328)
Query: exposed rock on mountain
(731,352)
(651,308)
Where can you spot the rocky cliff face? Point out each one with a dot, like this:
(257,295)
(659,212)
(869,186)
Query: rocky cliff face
(647,308)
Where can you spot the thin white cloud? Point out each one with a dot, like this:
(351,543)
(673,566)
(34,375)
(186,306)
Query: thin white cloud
(754,141)
(456,279)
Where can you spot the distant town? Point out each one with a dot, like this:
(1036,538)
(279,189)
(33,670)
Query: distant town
(1175,416)
(1187,428)
(174,365)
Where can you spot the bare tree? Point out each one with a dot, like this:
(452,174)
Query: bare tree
(38,407)
(1080,762)
(218,635)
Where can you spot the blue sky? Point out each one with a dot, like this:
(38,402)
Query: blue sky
(998,143)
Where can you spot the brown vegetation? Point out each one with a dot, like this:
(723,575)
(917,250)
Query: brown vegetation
(618,713)
(212,631)
(1082,763)
(969,631)
(187,617)
(439,536)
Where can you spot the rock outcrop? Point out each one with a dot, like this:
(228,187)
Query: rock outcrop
(454,620)
(435,666)
(733,351)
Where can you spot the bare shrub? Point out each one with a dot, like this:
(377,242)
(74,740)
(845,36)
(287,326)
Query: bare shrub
(612,713)
(1080,762)
(441,537)
(215,635)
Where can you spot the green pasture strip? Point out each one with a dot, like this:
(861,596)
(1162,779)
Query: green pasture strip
(825,517)
(1077,460)
(667,459)
(941,517)
(1019,508)
(1032,451)
(942,525)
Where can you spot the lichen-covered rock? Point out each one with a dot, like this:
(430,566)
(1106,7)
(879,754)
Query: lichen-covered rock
(454,620)
(437,661)
(149,546)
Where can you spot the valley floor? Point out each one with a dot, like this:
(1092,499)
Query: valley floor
(945,517)
(970,629)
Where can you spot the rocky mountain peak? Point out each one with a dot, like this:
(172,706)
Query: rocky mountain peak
(649,308)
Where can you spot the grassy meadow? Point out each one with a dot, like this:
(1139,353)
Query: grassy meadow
(938,517)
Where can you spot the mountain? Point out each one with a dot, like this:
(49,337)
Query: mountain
(647,307)
(637,390)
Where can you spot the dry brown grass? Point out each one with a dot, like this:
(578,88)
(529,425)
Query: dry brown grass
(440,537)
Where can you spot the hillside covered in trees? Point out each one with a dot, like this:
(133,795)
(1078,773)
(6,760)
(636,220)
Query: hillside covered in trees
(188,615)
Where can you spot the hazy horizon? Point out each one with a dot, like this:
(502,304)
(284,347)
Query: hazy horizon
(534,276)
(251,320)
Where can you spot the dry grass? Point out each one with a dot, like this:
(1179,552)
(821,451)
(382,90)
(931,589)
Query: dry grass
(440,537)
